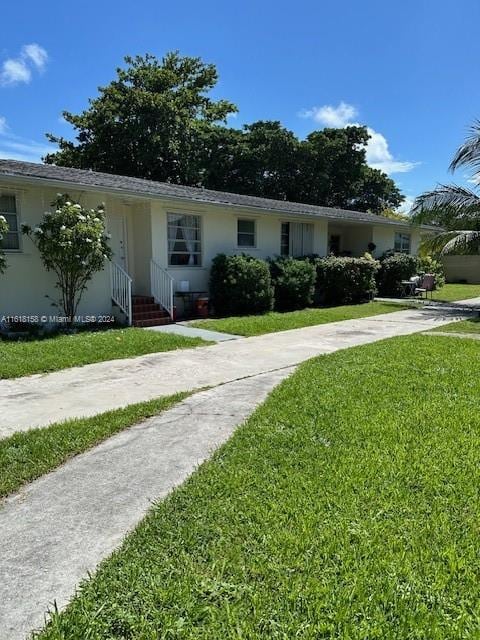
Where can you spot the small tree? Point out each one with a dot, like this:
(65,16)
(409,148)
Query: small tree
(3,231)
(74,245)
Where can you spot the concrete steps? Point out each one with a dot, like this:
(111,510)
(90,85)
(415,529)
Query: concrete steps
(147,313)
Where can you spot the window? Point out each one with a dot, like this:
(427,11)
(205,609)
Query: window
(8,209)
(285,239)
(246,233)
(402,242)
(184,240)
(296,239)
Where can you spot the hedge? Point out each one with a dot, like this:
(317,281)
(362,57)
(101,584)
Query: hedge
(345,280)
(293,282)
(393,269)
(240,285)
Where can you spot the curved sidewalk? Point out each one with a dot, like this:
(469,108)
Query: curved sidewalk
(85,391)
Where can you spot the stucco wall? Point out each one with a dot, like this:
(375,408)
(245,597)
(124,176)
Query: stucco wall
(25,285)
(462,268)
(384,238)
(219,235)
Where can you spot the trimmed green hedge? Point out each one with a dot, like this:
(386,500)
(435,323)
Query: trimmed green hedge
(293,282)
(393,269)
(345,280)
(240,285)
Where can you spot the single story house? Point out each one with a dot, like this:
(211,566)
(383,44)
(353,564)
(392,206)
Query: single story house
(164,235)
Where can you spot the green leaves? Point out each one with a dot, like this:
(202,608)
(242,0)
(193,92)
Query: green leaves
(72,243)
(157,120)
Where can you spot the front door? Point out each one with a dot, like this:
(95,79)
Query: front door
(118,240)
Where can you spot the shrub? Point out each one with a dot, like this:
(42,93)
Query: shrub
(393,269)
(240,285)
(427,264)
(73,243)
(293,282)
(345,280)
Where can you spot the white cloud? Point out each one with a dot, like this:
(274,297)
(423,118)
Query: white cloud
(378,154)
(17,70)
(336,117)
(36,54)
(3,125)
(380,157)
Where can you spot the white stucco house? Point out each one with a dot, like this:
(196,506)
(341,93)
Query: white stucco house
(163,235)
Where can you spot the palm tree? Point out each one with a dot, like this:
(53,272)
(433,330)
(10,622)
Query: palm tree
(456,210)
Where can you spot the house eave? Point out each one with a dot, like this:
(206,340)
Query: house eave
(12,179)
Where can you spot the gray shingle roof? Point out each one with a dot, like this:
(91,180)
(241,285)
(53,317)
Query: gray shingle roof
(149,188)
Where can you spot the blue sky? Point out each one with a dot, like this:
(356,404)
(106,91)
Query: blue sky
(408,70)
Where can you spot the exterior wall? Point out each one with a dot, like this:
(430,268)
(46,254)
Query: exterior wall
(462,268)
(219,235)
(384,238)
(25,285)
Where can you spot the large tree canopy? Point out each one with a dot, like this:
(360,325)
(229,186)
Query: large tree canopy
(147,122)
(156,121)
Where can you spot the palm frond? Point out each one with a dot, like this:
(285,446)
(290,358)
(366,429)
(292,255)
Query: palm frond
(457,242)
(447,200)
(469,152)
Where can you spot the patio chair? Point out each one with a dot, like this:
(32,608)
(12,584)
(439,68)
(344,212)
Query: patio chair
(427,286)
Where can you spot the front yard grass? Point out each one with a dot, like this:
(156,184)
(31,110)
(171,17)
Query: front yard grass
(346,507)
(472,325)
(24,358)
(453,292)
(27,455)
(275,321)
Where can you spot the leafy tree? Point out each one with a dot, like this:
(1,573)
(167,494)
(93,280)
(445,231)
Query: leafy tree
(3,231)
(156,121)
(147,122)
(74,245)
(395,215)
(377,193)
(260,160)
(454,209)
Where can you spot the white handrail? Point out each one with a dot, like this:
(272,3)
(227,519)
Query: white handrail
(121,289)
(161,285)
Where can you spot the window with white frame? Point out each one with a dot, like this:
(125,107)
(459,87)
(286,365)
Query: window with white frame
(246,233)
(8,209)
(184,240)
(402,242)
(296,239)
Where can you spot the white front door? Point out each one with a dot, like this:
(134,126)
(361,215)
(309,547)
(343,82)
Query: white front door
(118,240)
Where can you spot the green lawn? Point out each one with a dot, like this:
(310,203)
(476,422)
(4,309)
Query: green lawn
(274,321)
(465,326)
(28,455)
(51,354)
(452,292)
(346,507)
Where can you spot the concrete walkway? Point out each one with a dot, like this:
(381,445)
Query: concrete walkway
(193,332)
(85,391)
(62,525)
